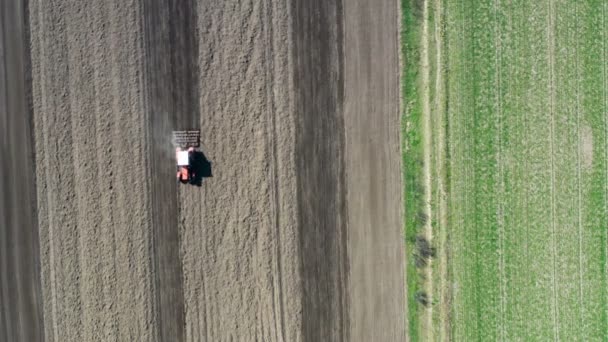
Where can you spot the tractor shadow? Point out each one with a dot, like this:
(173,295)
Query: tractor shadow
(201,167)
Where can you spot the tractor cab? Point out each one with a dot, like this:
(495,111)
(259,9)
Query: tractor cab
(185,143)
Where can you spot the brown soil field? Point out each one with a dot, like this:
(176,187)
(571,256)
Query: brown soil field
(295,233)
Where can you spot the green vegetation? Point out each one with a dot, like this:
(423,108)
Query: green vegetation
(523,155)
(412,156)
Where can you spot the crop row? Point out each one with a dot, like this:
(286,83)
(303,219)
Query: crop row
(527,103)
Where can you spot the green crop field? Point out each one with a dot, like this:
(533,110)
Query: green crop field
(505,121)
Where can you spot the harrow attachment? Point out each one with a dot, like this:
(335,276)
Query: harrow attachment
(186,139)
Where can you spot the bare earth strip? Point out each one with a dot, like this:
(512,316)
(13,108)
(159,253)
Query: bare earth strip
(21,316)
(320,144)
(304,156)
(238,231)
(371,116)
(89,140)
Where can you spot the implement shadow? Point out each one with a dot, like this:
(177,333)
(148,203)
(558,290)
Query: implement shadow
(201,167)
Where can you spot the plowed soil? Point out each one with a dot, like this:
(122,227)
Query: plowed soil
(295,233)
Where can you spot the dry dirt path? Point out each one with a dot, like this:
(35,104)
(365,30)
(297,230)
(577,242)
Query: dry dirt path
(20,292)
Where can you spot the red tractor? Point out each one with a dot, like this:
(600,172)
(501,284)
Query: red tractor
(186,143)
(185,174)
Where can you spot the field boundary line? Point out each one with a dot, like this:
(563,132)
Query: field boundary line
(499,162)
(440,118)
(426,172)
(551,55)
(578,171)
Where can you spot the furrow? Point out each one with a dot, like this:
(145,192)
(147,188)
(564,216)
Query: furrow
(108,286)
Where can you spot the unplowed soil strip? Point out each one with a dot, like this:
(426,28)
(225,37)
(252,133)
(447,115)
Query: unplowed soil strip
(21,315)
(322,188)
(372,252)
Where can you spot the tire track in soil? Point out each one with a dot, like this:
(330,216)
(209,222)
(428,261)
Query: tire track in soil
(21,315)
(275,194)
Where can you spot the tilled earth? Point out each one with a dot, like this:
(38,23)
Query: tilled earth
(295,233)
